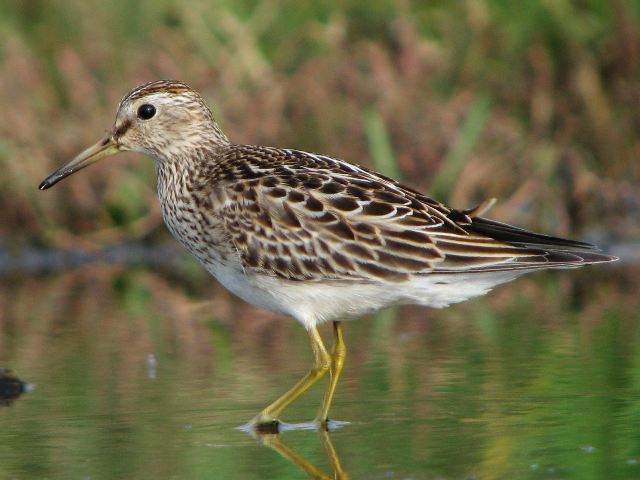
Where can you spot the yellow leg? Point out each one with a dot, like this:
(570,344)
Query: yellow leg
(275,442)
(321,365)
(337,363)
(338,472)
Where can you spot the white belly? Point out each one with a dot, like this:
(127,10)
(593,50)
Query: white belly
(312,303)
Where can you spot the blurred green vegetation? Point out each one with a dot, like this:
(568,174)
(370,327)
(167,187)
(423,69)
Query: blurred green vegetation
(535,102)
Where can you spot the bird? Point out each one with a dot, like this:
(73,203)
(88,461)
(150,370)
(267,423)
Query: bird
(309,236)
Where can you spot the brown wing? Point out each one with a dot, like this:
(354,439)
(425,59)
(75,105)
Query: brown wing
(308,217)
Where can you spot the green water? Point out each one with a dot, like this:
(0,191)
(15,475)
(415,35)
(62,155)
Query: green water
(139,376)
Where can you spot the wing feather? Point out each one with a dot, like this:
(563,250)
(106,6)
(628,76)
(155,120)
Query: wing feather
(302,216)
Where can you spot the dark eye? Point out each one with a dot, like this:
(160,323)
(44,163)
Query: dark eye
(146,111)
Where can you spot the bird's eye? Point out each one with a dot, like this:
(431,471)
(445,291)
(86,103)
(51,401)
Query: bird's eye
(146,111)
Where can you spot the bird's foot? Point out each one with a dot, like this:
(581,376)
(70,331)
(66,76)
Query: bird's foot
(329,425)
(323,423)
(263,424)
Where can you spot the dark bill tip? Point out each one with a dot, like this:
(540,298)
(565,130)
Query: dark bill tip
(59,174)
(47,183)
(104,148)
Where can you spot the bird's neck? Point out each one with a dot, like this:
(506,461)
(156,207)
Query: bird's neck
(189,174)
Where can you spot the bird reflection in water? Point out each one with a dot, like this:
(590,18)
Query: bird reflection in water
(272,438)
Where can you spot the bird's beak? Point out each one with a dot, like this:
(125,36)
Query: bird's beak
(104,148)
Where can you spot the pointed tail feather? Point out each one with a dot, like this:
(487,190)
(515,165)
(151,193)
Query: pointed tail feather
(557,249)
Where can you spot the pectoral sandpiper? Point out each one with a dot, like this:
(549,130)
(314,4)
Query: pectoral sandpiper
(310,236)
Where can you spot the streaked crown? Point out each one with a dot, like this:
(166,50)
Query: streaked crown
(166,119)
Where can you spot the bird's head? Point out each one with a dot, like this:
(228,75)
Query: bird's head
(165,119)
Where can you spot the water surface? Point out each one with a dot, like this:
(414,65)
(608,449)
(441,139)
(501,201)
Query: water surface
(141,375)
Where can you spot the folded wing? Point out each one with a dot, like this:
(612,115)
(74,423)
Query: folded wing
(312,217)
